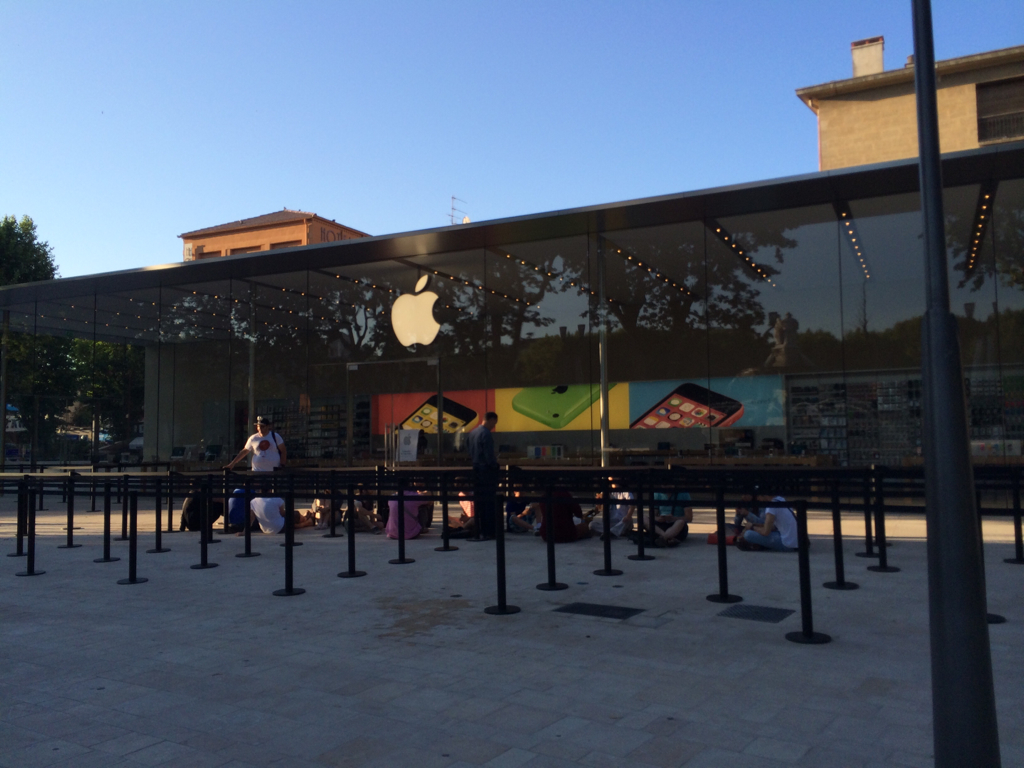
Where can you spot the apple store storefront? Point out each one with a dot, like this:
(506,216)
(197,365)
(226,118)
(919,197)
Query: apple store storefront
(775,322)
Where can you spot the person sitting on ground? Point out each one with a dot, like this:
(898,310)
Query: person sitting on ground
(566,519)
(775,529)
(620,514)
(366,518)
(672,517)
(465,525)
(191,509)
(519,515)
(268,512)
(414,508)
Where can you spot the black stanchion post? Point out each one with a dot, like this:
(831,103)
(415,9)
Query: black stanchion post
(133,541)
(247,525)
(640,554)
(204,527)
(401,559)
(106,527)
(170,502)
(446,530)
(225,529)
(806,635)
(883,547)
(42,492)
(69,496)
(606,537)
(158,546)
(552,584)
(92,489)
(122,495)
(723,595)
(992,618)
(30,569)
(502,608)
(208,503)
(1018,535)
(869,547)
(289,539)
(837,544)
(19,550)
(350,519)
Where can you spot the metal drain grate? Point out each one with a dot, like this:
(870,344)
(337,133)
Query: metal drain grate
(602,611)
(757,613)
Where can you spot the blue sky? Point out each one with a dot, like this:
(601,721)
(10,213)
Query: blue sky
(127,123)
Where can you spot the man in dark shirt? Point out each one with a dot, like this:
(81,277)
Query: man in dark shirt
(485,470)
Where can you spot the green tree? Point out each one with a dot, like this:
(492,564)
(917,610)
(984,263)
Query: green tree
(24,258)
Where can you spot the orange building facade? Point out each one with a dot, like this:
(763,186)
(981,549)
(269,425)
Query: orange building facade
(281,229)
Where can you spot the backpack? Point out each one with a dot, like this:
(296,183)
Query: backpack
(191,513)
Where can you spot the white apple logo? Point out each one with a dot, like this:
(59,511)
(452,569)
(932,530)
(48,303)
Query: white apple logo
(412,316)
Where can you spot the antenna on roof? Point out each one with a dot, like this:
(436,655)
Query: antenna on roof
(451,216)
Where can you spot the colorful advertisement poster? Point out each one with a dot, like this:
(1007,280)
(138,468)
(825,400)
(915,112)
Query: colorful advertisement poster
(723,402)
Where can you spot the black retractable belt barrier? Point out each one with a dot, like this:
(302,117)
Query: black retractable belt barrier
(289,539)
(401,559)
(208,503)
(122,495)
(69,495)
(723,595)
(203,530)
(806,635)
(350,519)
(837,544)
(502,608)
(333,506)
(883,553)
(22,520)
(552,584)
(1018,534)
(158,546)
(133,541)
(31,524)
(606,537)
(446,530)
(291,490)
(640,535)
(247,525)
(106,528)
(869,550)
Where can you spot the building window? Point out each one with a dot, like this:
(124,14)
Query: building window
(288,244)
(247,249)
(1001,110)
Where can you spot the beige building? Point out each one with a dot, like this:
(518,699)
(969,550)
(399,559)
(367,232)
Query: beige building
(872,118)
(281,229)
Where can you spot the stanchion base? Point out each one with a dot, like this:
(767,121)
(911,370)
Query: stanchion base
(497,610)
(121,538)
(132,581)
(995,618)
(332,535)
(68,546)
(883,568)
(200,566)
(1010,560)
(294,544)
(547,586)
(34,573)
(815,638)
(608,572)
(846,585)
(401,561)
(76,528)
(865,554)
(446,549)
(289,592)
(248,554)
(106,559)
(213,541)
(724,599)
(17,554)
(157,551)
(640,557)
(351,574)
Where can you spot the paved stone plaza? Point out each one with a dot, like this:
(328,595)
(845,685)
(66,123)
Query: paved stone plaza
(403,668)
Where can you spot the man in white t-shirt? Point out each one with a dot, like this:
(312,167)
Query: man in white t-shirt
(269,513)
(775,529)
(266,446)
(620,516)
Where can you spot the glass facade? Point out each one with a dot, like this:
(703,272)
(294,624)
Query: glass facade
(772,326)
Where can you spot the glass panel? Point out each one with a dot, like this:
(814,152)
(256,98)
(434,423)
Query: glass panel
(1006,238)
